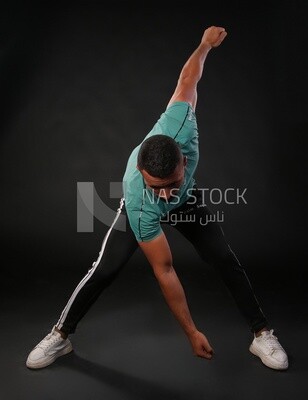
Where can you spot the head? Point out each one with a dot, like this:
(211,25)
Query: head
(162,165)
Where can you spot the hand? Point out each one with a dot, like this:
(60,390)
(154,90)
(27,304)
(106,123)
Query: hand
(213,36)
(200,345)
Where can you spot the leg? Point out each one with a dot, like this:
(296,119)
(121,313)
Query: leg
(117,248)
(211,245)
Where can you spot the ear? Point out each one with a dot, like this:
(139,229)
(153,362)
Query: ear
(184,160)
(139,169)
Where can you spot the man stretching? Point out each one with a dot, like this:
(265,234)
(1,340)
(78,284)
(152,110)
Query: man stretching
(159,187)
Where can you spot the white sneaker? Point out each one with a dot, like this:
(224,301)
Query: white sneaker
(48,350)
(270,351)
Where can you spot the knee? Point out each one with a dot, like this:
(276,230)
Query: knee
(102,271)
(225,260)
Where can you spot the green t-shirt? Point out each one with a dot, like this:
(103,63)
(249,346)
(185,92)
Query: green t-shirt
(144,209)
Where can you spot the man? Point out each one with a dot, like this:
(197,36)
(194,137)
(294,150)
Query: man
(159,187)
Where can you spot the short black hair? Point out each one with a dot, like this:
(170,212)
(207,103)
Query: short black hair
(159,155)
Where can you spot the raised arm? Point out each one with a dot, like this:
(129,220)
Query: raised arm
(186,89)
(158,253)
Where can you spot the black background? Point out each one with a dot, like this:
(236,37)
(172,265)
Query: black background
(81,85)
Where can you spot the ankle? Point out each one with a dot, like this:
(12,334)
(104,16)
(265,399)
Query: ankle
(63,334)
(257,334)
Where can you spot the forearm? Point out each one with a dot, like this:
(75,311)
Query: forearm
(174,295)
(193,68)
(191,73)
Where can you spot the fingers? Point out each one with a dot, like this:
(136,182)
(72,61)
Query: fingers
(209,353)
(214,35)
(222,35)
(205,353)
(219,29)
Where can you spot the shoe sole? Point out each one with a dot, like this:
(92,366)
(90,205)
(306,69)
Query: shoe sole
(265,359)
(67,349)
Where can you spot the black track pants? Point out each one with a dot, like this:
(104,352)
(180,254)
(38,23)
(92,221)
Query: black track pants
(207,238)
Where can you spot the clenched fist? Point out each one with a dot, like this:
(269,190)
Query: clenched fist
(213,36)
(200,345)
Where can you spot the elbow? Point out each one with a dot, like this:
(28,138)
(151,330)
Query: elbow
(190,77)
(162,271)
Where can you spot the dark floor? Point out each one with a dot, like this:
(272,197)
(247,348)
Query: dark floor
(129,346)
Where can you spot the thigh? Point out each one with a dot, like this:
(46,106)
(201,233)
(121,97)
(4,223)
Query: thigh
(117,247)
(198,224)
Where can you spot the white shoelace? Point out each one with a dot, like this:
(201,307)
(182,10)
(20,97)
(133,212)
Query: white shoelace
(49,340)
(272,341)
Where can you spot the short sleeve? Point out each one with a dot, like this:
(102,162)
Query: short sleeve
(145,224)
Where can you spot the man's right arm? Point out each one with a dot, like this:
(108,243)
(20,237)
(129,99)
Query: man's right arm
(158,253)
(191,73)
